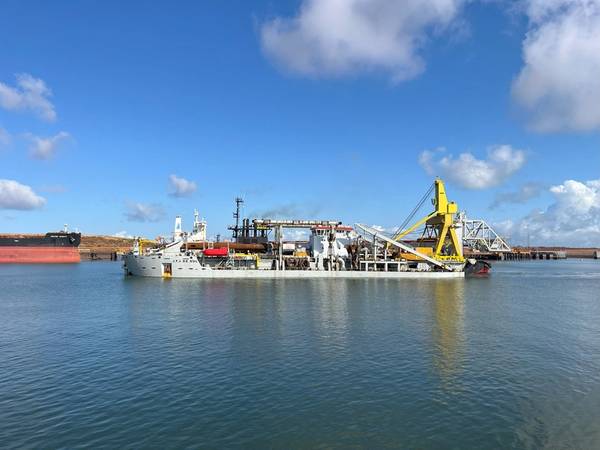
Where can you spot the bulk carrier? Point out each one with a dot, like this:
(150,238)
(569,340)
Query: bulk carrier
(258,249)
(53,247)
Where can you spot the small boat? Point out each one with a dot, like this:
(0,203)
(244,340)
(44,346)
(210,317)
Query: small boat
(477,268)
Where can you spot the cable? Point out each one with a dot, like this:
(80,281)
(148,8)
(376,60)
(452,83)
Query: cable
(415,210)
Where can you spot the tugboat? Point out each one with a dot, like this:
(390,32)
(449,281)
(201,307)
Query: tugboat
(477,268)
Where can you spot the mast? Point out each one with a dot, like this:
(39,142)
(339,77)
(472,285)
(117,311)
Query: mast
(236,215)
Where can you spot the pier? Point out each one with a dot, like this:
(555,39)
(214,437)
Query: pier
(103,248)
(536,253)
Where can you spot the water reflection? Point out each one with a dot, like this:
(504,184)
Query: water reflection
(448,331)
(286,315)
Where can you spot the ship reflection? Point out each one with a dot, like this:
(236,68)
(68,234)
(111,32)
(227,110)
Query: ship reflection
(448,329)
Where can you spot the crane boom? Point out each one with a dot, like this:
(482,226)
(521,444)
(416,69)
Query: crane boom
(440,225)
(407,248)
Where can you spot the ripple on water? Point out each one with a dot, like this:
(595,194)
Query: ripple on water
(91,359)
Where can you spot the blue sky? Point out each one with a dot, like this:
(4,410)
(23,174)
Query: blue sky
(316,107)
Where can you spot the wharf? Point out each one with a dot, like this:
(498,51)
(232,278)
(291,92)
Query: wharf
(97,248)
(536,253)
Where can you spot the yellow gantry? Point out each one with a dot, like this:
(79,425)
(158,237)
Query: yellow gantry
(439,225)
(145,243)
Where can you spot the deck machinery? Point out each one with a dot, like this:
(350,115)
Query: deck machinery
(331,246)
(441,230)
(440,243)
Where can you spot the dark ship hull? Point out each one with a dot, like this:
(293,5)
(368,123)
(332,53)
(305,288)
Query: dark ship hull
(478,269)
(51,248)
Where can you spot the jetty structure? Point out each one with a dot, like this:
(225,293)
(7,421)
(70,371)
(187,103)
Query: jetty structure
(258,249)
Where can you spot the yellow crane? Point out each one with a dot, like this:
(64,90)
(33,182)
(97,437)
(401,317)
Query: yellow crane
(143,243)
(439,228)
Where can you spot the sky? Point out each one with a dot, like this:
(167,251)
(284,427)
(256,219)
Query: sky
(117,116)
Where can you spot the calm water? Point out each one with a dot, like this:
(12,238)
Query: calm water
(91,359)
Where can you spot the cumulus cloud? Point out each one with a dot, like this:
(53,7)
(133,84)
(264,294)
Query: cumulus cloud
(342,37)
(14,195)
(573,219)
(30,94)
(180,187)
(46,148)
(559,84)
(144,212)
(525,193)
(472,173)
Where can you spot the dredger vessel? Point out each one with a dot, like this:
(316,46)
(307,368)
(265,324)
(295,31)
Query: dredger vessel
(329,249)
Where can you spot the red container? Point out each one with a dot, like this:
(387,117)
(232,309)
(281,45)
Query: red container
(224,251)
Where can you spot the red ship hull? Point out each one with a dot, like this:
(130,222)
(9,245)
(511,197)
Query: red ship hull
(37,255)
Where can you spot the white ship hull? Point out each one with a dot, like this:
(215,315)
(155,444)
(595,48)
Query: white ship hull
(164,266)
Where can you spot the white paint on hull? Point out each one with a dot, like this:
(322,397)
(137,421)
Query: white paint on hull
(189,267)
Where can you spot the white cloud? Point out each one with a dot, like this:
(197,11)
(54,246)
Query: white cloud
(559,84)
(342,37)
(525,193)
(123,234)
(4,138)
(541,10)
(382,229)
(14,195)
(180,187)
(30,94)
(295,235)
(144,212)
(572,220)
(45,148)
(472,173)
